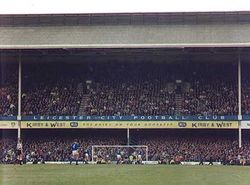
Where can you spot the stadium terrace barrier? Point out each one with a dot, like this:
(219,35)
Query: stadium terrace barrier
(131,124)
(8,118)
(8,125)
(8,122)
(246,117)
(199,122)
(165,121)
(130,118)
(245,124)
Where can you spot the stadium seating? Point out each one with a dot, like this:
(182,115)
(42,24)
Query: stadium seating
(126,89)
(8,90)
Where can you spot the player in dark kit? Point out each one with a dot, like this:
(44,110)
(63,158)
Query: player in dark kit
(210,161)
(75,153)
(201,160)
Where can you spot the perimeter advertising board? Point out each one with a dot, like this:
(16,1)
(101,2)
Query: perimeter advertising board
(245,124)
(119,122)
(8,125)
(132,124)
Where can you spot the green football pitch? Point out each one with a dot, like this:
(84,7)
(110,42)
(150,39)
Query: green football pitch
(123,174)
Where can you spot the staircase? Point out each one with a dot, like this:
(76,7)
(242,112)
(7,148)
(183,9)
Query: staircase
(178,103)
(83,105)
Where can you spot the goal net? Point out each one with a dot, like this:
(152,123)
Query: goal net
(129,153)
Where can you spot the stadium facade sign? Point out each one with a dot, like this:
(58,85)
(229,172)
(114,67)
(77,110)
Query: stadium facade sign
(129,118)
(246,117)
(245,124)
(8,118)
(131,124)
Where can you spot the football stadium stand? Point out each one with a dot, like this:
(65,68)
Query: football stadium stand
(104,89)
(181,67)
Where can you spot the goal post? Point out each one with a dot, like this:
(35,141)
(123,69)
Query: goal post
(111,150)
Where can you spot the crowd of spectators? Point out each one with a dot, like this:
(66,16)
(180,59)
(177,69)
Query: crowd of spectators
(131,89)
(165,148)
(8,90)
(246,89)
(246,98)
(213,91)
(50,91)
(53,148)
(205,89)
(120,88)
(188,149)
(55,99)
(8,100)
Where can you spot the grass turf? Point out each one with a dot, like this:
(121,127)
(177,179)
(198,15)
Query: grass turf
(123,174)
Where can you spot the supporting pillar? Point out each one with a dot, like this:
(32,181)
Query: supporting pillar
(128,137)
(19,94)
(239,100)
